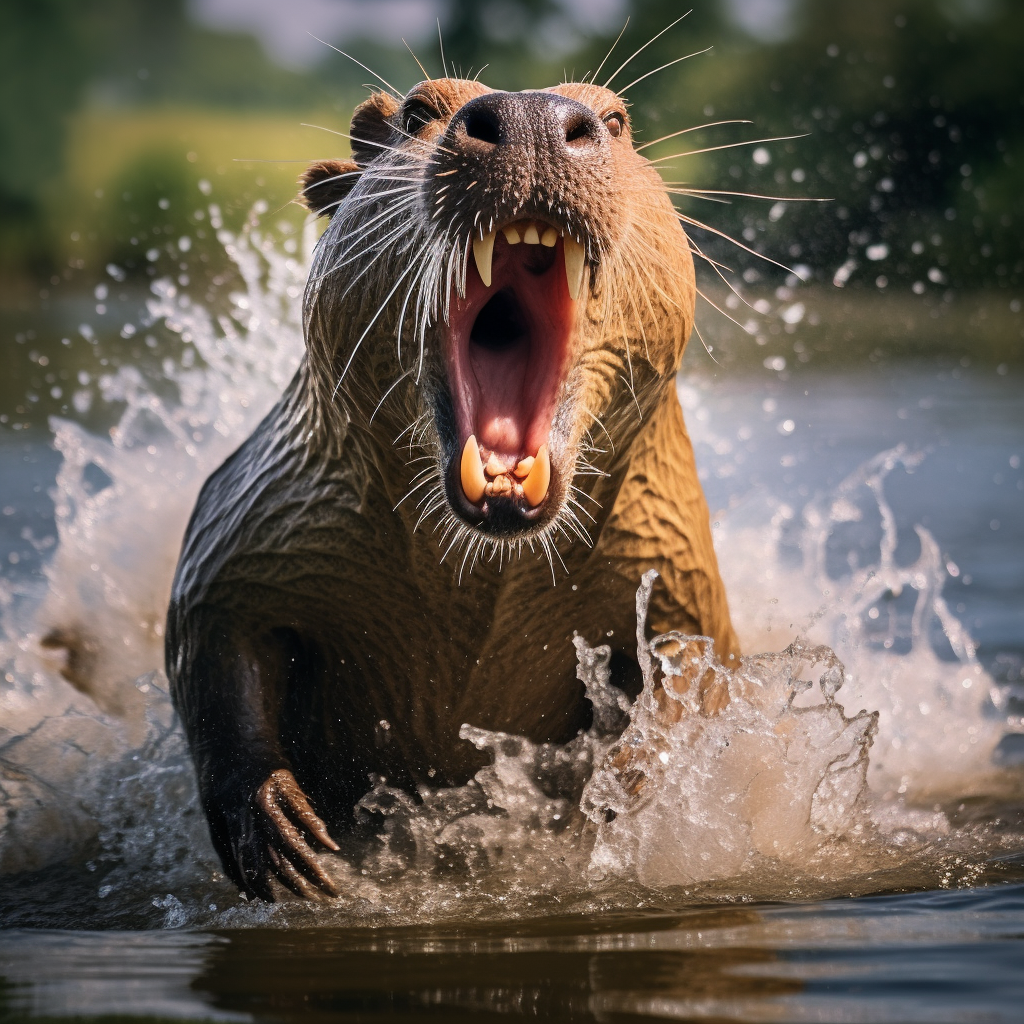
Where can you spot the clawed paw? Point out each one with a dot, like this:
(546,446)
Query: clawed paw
(283,814)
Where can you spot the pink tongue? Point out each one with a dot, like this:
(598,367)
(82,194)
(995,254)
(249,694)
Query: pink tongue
(500,415)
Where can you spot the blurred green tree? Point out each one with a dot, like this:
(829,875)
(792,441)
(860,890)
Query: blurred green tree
(914,109)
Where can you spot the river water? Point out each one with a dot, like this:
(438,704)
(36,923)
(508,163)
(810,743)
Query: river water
(843,842)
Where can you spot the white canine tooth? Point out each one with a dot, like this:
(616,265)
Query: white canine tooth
(535,486)
(472,471)
(575,260)
(549,238)
(531,235)
(511,235)
(483,250)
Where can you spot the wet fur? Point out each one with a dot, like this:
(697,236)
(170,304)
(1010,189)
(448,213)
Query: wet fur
(331,616)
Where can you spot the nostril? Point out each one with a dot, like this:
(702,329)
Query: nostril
(483,124)
(580,129)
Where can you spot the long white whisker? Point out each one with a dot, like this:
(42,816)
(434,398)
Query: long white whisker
(375,317)
(707,347)
(360,63)
(398,381)
(636,81)
(722,234)
(379,145)
(426,74)
(697,192)
(653,39)
(686,131)
(622,31)
(440,41)
(411,491)
(727,145)
(720,310)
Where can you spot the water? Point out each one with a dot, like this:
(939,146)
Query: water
(941,956)
(691,856)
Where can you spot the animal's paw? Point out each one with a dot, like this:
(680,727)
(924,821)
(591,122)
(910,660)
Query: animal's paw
(282,813)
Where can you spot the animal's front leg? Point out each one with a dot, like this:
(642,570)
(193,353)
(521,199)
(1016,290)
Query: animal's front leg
(229,694)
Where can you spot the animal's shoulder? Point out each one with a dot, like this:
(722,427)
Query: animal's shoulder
(272,499)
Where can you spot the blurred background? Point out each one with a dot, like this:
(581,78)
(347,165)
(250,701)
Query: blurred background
(122,124)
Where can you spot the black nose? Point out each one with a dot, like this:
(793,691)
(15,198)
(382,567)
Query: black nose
(516,118)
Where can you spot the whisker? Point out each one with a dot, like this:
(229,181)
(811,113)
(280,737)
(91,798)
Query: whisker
(573,501)
(411,491)
(707,347)
(440,41)
(415,58)
(695,250)
(653,39)
(361,64)
(593,77)
(717,267)
(722,234)
(356,245)
(398,381)
(686,131)
(374,319)
(288,160)
(697,192)
(691,195)
(728,145)
(636,81)
(381,145)
(720,310)
(469,547)
(438,502)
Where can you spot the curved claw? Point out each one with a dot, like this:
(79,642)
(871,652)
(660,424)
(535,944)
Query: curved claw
(285,808)
(291,877)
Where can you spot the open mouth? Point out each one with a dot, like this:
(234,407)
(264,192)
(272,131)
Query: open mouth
(508,349)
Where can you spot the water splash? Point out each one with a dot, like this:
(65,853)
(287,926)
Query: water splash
(941,716)
(734,783)
(719,768)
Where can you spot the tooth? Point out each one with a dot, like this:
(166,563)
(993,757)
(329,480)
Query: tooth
(494,466)
(531,236)
(511,235)
(523,467)
(575,257)
(535,486)
(473,479)
(549,238)
(483,250)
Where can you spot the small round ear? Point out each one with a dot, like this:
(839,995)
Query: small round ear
(325,184)
(371,134)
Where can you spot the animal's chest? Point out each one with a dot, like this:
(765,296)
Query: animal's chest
(397,671)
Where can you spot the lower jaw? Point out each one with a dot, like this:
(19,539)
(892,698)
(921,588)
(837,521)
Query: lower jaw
(498,517)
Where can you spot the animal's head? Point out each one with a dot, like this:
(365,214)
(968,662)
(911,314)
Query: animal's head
(504,288)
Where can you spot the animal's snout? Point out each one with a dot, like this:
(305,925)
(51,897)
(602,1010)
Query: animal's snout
(546,120)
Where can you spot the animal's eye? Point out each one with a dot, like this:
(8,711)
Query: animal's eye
(615,123)
(417,115)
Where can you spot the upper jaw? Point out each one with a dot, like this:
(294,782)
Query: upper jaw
(534,231)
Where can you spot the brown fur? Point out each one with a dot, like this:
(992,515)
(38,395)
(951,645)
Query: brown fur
(315,630)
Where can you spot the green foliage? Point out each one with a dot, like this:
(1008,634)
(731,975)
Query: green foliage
(915,120)
(914,114)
